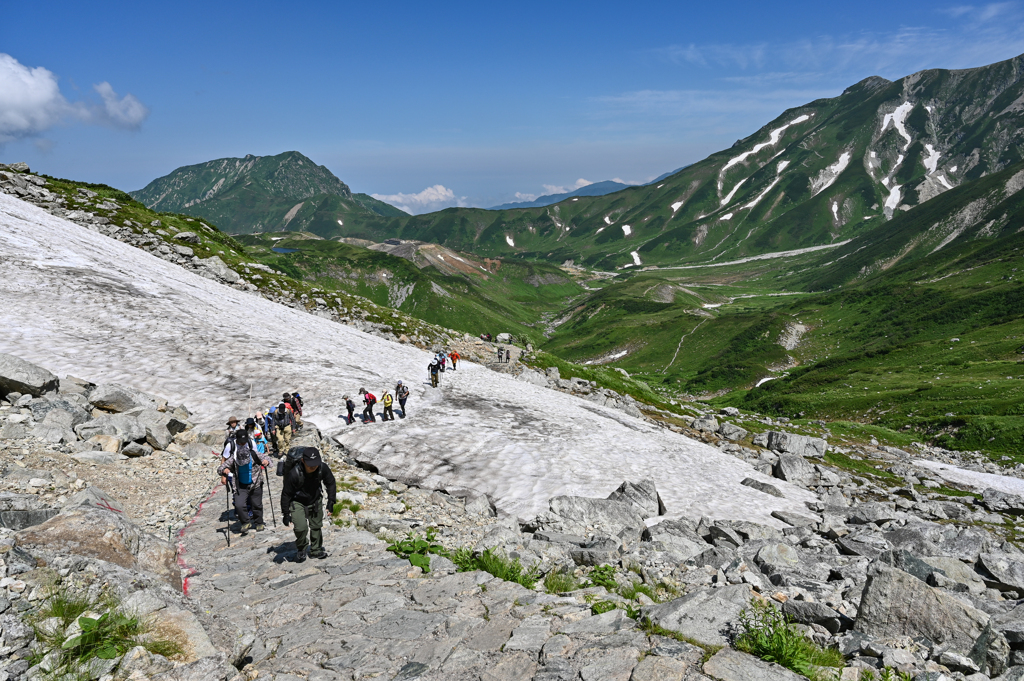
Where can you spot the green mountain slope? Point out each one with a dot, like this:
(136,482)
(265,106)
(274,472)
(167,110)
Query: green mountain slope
(261,193)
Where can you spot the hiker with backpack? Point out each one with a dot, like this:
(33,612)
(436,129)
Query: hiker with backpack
(508,355)
(295,402)
(245,466)
(283,423)
(501,354)
(369,400)
(387,401)
(434,369)
(302,499)
(402,393)
(232,426)
(351,407)
(266,424)
(454,357)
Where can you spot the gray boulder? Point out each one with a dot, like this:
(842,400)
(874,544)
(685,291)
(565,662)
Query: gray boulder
(642,495)
(895,603)
(706,424)
(729,664)
(532,377)
(731,431)
(481,505)
(125,427)
(801,445)
(706,615)
(807,612)
(160,427)
(1001,502)
(187,237)
(583,515)
(137,449)
(17,375)
(762,487)
(1003,571)
(795,469)
(18,511)
(119,398)
(678,537)
(218,267)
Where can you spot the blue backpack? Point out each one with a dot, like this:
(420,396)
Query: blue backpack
(243,469)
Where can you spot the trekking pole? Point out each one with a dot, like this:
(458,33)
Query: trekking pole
(227,498)
(270,495)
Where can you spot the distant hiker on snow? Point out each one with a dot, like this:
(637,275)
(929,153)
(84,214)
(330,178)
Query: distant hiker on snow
(295,406)
(402,393)
(508,355)
(434,369)
(454,357)
(351,406)
(302,499)
(246,468)
(369,400)
(387,401)
(501,354)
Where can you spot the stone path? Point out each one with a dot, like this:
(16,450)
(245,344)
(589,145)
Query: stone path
(364,613)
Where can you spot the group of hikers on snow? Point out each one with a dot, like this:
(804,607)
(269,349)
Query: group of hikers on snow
(386,401)
(243,471)
(439,362)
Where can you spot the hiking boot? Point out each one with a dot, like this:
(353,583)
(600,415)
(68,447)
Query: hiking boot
(261,527)
(321,554)
(300,557)
(245,529)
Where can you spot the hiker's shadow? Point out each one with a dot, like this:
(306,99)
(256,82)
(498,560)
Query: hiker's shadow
(283,553)
(227,516)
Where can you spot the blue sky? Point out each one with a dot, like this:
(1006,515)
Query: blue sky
(447,104)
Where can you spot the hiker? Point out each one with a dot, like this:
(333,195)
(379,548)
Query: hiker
(441,357)
(252,426)
(454,357)
(501,354)
(297,408)
(296,411)
(402,393)
(434,369)
(302,500)
(369,400)
(246,467)
(351,406)
(283,423)
(387,401)
(266,423)
(508,355)
(232,426)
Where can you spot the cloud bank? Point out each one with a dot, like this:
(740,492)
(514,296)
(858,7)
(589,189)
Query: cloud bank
(429,200)
(31,103)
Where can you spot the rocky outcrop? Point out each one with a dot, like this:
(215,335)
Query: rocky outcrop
(24,378)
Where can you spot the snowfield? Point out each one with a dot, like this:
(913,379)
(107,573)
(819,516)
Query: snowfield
(80,303)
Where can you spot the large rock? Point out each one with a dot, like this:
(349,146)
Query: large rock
(125,427)
(161,427)
(18,511)
(809,612)
(895,603)
(795,469)
(801,445)
(217,266)
(533,377)
(642,495)
(706,424)
(19,376)
(678,537)
(119,398)
(94,525)
(706,615)
(730,431)
(1001,502)
(729,664)
(584,515)
(1004,572)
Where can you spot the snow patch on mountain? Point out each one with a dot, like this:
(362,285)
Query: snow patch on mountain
(636,258)
(898,118)
(773,139)
(80,303)
(627,230)
(931,161)
(828,176)
(731,194)
(757,199)
(509,241)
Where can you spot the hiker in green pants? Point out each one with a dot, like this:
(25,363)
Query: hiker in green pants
(302,499)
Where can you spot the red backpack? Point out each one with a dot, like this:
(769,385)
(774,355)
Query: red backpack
(370,399)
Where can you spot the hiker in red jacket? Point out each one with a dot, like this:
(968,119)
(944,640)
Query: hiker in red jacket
(369,400)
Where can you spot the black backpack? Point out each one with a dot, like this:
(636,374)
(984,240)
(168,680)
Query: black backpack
(281,418)
(293,457)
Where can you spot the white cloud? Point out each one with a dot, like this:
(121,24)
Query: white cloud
(126,112)
(520,196)
(31,103)
(558,189)
(429,200)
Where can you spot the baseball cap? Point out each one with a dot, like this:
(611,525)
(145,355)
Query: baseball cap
(310,455)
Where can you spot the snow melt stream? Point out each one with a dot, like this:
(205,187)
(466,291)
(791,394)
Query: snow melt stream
(80,303)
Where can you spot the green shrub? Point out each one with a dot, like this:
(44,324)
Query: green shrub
(499,565)
(417,549)
(632,591)
(560,582)
(602,575)
(769,635)
(345,505)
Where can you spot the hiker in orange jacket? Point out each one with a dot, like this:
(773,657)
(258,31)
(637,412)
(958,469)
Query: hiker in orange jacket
(454,357)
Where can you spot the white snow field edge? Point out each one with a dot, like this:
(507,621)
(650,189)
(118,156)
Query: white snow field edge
(80,303)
